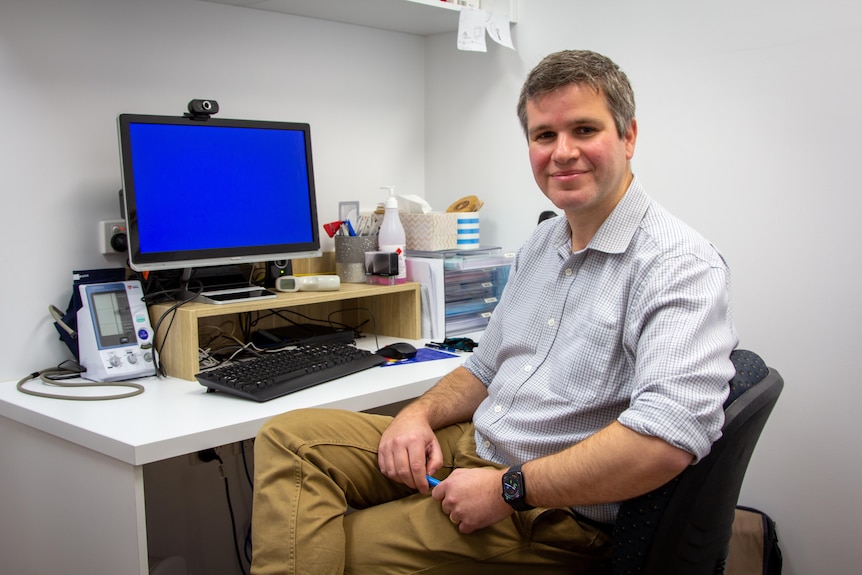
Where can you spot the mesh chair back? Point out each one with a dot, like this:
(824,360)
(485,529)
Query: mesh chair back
(684,526)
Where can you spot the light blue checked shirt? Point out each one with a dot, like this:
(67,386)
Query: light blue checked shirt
(635,328)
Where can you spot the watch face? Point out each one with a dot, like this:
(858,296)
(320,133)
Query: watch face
(512,486)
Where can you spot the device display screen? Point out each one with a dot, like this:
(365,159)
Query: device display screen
(216,192)
(113,318)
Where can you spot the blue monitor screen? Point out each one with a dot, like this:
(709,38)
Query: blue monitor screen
(217,191)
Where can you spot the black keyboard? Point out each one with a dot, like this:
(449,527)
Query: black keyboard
(281,372)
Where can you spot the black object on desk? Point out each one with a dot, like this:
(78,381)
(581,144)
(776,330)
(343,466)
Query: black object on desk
(282,372)
(301,334)
(399,350)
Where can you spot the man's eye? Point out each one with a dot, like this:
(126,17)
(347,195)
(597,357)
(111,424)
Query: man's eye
(545,136)
(585,130)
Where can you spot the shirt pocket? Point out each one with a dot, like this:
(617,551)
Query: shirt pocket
(589,365)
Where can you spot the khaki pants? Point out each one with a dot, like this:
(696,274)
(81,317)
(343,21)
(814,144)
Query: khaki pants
(312,466)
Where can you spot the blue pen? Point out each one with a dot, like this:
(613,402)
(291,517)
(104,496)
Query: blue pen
(433,345)
(350,229)
(432,481)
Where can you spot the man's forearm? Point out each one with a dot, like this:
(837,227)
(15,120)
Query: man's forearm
(613,465)
(453,399)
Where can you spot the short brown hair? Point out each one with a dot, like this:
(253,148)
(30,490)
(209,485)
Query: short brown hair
(581,67)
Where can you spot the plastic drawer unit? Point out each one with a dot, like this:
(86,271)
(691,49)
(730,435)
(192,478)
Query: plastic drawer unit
(464,287)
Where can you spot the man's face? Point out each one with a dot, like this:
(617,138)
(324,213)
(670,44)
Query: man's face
(578,159)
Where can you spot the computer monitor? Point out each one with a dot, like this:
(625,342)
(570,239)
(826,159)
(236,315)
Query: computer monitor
(216,192)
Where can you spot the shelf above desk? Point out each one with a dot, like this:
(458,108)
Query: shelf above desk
(390,310)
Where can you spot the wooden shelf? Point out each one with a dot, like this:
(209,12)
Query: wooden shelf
(395,310)
(422,17)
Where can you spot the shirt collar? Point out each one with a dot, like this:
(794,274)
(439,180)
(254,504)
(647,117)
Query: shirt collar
(617,231)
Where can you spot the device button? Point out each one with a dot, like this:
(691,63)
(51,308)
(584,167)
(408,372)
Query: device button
(143,334)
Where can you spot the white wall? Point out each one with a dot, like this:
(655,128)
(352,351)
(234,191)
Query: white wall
(749,124)
(69,67)
(748,117)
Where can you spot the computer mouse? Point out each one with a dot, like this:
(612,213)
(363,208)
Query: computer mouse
(398,350)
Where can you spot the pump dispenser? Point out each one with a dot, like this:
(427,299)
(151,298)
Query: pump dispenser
(391,237)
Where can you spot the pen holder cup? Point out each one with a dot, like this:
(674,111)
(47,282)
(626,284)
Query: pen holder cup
(350,256)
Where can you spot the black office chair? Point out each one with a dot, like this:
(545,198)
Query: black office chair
(684,527)
(546,215)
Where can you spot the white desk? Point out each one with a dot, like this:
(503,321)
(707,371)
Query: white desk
(72,481)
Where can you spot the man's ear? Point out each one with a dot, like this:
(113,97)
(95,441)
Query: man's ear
(630,138)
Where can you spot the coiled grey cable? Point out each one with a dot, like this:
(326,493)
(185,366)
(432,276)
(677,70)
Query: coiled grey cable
(45,376)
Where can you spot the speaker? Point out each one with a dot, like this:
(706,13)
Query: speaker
(277,269)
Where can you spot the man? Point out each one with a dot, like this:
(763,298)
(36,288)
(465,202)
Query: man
(600,376)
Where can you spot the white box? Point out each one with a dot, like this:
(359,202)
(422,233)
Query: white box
(430,232)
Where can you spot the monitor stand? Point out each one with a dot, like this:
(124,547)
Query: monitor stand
(220,285)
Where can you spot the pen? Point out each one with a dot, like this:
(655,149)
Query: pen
(433,345)
(433,482)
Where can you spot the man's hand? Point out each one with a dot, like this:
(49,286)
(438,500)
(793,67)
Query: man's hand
(472,498)
(408,451)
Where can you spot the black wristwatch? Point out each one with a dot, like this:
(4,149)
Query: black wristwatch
(514,492)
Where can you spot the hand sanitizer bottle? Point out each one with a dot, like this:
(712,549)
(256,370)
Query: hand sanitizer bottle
(391,237)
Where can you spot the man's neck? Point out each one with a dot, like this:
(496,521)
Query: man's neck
(584,225)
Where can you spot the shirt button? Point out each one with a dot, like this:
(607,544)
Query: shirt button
(486,444)
(497,409)
(528,368)
(568,271)
(551,322)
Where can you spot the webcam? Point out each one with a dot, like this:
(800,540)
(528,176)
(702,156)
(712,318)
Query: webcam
(202,109)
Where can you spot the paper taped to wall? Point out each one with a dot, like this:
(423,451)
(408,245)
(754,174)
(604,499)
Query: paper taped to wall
(472,25)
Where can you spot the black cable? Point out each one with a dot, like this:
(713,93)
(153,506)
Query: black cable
(212,455)
(248,545)
(245,465)
(370,315)
(245,323)
(160,370)
(232,521)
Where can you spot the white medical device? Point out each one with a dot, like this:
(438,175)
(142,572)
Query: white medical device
(115,340)
(307,283)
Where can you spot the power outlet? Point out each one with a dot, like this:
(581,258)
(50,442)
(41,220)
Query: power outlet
(107,230)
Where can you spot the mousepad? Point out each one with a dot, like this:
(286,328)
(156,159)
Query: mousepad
(422,354)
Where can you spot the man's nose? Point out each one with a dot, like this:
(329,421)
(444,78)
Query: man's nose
(566,149)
